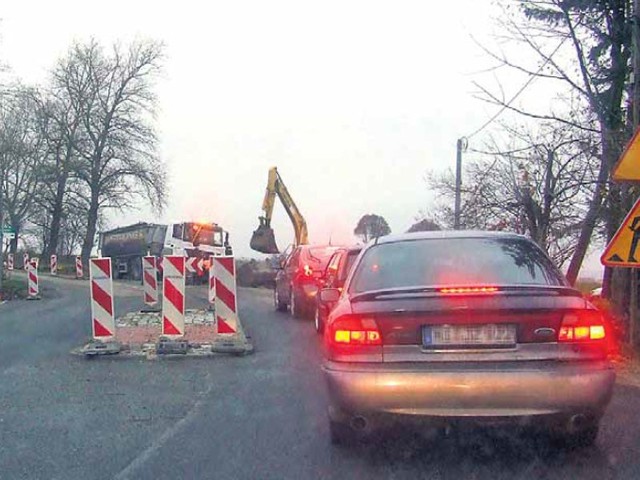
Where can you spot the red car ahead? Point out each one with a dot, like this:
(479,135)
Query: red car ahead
(297,280)
(334,277)
(438,329)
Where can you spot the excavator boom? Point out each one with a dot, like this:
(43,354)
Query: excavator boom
(263,239)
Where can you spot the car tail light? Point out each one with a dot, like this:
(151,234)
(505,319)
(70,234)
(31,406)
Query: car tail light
(308,271)
(582,326)
(355,331)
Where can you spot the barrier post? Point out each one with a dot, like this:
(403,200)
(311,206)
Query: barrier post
(54,264)
(79,272)
(150,281)
(103,323)
(25,259)
(225,301)
(212,284)
(173,282)
(10,262)
(32,280)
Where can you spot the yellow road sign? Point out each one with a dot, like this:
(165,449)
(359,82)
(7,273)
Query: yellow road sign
(624,248)
(628,166)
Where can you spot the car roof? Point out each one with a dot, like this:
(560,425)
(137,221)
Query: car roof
(309,246)
(446,234)
(352,248)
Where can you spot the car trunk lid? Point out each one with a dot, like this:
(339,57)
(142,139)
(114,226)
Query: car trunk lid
(430,325)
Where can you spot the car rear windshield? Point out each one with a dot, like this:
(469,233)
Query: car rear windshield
(319,256)
(454,262)
(351,257)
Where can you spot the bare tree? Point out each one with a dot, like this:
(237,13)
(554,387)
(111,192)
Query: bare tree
(538,185)
(60,125)
(584,47)
(113,99)
(21,153)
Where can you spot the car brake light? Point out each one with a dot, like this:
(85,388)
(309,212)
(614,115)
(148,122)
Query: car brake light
(582,326)
(308,271)
(463,290)
(355,331)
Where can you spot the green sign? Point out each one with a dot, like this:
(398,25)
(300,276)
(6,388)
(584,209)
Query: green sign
(8,230)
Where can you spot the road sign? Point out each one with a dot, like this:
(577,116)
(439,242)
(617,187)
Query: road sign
(8,233)
(623,250)
(628,166)
(195,265)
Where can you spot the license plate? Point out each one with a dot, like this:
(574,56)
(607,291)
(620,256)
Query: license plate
(491,335)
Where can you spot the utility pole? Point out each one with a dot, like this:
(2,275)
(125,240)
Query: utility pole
(633,298)
(461,146)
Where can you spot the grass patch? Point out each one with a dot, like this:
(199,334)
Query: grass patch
(13,288)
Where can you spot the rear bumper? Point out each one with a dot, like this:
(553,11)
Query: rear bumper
(471,390)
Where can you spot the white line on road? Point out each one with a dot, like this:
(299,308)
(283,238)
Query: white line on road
(146,455)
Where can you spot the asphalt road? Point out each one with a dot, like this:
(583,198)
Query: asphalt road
(255,417)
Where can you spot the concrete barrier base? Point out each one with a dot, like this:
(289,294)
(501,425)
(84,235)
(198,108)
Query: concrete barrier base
(97,347)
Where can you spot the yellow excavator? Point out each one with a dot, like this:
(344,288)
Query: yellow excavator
(263,239)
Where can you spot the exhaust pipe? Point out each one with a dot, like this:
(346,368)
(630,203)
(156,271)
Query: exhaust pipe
(359,423)
(577,423)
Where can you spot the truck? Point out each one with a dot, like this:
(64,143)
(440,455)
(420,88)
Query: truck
(127,245)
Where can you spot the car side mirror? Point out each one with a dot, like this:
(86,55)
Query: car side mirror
(329,295)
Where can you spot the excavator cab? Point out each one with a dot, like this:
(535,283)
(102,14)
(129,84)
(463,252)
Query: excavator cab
(263,239)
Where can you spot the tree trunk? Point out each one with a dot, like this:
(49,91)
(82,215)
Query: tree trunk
(609,157)
(56,216)
(92,222)
(13,244)
(588,225)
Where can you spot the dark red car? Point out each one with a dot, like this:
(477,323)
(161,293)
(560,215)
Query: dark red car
(437,329)
(297,280)
(334,277)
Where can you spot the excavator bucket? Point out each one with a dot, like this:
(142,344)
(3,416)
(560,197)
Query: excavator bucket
(263,240)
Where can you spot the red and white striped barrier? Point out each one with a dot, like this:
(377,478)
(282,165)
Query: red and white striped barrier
(212,283)
(25,259)
(150,281)
(226,305)
(173,296)
(32,274)
(54,264)
(103,320)
(10,262)
(79,272)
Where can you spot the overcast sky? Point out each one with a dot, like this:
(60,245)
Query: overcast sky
(353,101)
